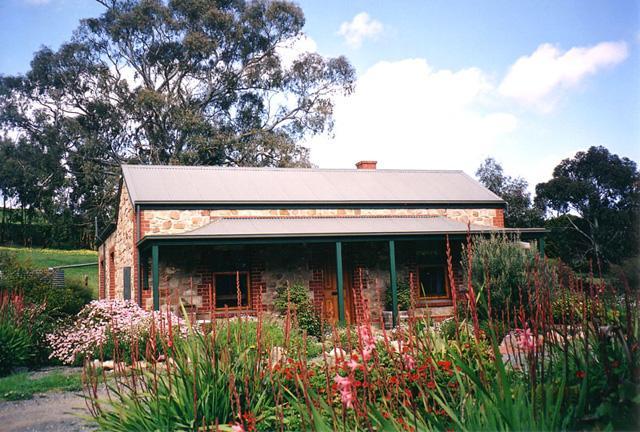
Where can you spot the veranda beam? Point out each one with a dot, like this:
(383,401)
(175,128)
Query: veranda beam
(339,282)
(155,274)
(394,281)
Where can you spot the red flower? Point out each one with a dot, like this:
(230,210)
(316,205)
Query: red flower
(393,380)
(386,415)
(581,374)
(431,385)
(445,365)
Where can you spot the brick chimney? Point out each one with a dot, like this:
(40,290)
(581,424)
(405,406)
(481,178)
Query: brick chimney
(371,165)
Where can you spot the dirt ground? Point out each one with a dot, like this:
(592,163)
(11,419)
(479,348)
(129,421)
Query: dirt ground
(54,412)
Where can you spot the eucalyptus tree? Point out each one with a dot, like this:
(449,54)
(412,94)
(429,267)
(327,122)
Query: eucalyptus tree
(216,82)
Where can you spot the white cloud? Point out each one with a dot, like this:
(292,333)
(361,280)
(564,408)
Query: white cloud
(405,114)
(361,27)
(291,49)
(535,79)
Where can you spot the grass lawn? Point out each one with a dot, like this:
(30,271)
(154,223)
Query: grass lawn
(23,386)
(45,258)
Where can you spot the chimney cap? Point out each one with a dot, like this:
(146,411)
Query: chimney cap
(366,164)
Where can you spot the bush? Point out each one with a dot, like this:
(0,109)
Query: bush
(296,298)
(15,347)
(36,287)
(105,328)
(508,267)
(16,325)
(404,297)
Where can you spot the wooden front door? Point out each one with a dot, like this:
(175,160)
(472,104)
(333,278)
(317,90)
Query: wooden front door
(330,295)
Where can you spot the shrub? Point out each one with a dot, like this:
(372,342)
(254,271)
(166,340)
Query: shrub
(15,347)
(297,300)
(104,326)
(404,297)
(36,287)
(502,266)
(16,342)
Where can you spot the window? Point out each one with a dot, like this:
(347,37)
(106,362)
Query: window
(433,283)
(225,285)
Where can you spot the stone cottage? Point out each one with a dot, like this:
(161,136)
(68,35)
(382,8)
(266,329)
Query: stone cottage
(224,240)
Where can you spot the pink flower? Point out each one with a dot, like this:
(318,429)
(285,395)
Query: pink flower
(353,364)
(409,361)
(237,428)
(346,392)
(342,381)
(525,340)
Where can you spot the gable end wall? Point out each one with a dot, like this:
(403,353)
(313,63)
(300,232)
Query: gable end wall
(121,243)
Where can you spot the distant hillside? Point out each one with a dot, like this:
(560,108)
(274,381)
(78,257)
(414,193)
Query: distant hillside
(45,258)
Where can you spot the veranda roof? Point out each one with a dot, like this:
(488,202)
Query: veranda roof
(159,184)
(277,227)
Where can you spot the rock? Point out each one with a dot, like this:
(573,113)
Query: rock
(108,364)
(396,346)
(277,356)
(334,355)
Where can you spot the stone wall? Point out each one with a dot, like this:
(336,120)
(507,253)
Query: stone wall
(186,273)
(179,221)
(120,244)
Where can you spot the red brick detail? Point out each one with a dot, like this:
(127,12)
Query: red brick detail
(101,276)
(316,285)
(359,283)
(112,274)
(367,164)
(135,271)
(498,219)
(257,286)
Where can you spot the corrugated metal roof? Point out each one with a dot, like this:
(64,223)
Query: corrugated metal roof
(159,184)
(330,226)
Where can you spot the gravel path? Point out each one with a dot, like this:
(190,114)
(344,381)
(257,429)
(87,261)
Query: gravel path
(53,412)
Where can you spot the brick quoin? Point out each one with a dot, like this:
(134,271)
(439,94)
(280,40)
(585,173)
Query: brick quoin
(112,273)
(101,287)
(498,220)
(359,283)
(257,286)
(136,282)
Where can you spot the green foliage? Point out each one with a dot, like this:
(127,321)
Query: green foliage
(38,258)
(404,296)
(598,195)
(15,347)
(54,305)
(501,266)
(35,284)
(297,300)
(24,385)
(208,380)
(208,90)
(519,212)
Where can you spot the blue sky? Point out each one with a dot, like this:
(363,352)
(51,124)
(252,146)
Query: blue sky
(443,84)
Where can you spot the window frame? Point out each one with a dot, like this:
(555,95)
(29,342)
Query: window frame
(447,288)
(213,307)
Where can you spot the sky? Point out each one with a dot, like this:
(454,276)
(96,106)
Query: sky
(443,84)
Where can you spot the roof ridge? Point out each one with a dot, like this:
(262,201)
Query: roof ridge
(228,168)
